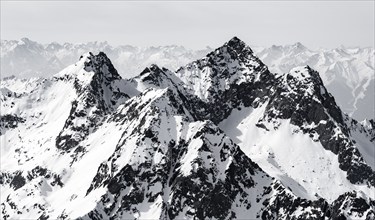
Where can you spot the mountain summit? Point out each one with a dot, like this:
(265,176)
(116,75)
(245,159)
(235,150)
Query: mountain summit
(222,137)
(239,46)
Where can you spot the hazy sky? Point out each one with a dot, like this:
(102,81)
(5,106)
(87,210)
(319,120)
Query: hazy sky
(194,24)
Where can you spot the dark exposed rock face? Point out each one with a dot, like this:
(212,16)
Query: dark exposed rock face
(102,66)
(9,122)
(302,98)
(367,130)
(350,204)
(285,205)
(18,181)
(346,206)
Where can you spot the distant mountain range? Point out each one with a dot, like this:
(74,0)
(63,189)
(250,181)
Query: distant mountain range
(347,72)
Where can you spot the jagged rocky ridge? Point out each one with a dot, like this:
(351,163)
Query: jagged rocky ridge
(151,146)
(348,73)
(94,101)
(236,77)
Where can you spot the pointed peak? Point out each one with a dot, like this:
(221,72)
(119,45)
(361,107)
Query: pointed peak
(238,45)
(234,40)
(276,47)
(102,54)
(167,99)
(156,76)
(152,68)
(25,40)
(101,64)
(155,68)
(234,48)
(298,46)
(90,55)
(342,47)
(306,69)
(307,76)
(53,46)
(88,66)
(311,70)
(368,123)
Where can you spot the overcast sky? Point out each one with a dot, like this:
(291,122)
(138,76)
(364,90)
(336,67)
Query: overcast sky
(194,24)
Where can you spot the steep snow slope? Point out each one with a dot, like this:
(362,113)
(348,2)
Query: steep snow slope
(297,160)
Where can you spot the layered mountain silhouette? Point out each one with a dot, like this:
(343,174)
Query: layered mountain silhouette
(347,72)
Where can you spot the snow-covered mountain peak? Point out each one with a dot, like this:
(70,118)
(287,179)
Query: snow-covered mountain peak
(156,77)
(238,45)
(348,73)
(232,63)
(304,87)
(21,49)
(306,75)
(102,64)
(274,47)
(369,124)
(153,68)
(234,49)
(77,70)
(306,82)
(299,45)
(300,70)
(26,40)
(85,57)
(88,68)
